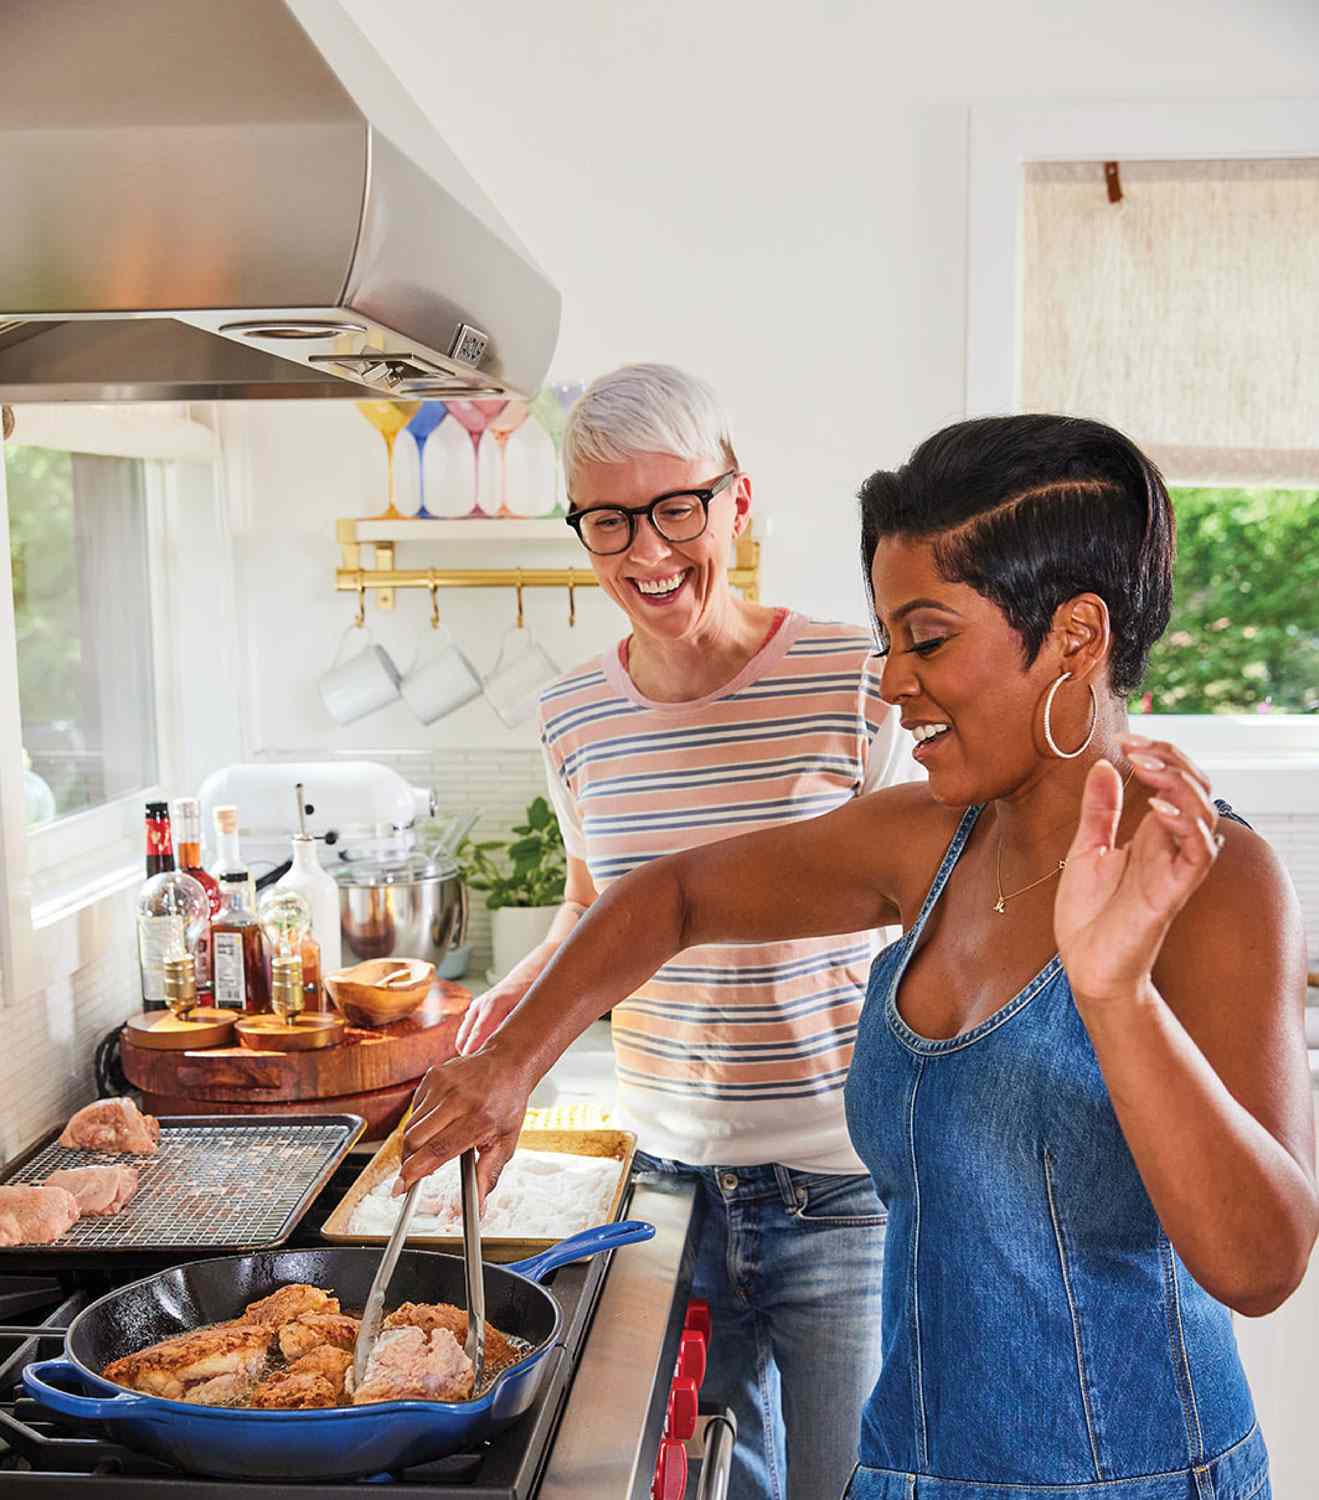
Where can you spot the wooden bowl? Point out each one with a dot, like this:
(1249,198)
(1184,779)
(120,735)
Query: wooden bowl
(381,990)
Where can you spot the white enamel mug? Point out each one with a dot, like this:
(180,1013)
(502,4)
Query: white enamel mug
(358,681)
(441,679)
(514,685)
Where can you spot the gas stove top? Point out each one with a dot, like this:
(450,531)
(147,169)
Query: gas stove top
(42,1454)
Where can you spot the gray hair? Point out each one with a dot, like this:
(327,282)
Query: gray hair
(646,408)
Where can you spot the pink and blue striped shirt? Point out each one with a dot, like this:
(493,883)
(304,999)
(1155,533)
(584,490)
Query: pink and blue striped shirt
(734,1053)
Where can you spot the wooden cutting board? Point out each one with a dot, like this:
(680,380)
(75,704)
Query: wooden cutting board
(367,1061)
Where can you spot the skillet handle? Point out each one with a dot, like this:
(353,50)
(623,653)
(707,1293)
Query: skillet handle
(582,1246)
(36,1378)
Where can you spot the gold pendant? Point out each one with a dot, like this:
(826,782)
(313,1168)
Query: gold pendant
(999,906)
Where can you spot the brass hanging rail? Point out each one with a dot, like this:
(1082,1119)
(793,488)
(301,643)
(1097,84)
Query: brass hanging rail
(743,575)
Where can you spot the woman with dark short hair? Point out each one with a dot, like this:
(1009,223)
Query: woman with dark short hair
(1080,1080)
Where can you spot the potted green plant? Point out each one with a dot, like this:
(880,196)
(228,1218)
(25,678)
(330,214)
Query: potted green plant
(524,888)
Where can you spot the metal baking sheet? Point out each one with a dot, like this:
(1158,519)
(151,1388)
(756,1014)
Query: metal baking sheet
(216,1182)
(619,1144)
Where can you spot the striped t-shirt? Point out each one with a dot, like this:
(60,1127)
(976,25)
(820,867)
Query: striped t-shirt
(734,1053)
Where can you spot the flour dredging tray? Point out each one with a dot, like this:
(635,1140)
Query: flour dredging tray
(618,1144)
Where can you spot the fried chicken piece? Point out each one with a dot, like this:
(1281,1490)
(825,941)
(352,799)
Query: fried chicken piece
(99,1190)
(312,1330)
(234,1389)
(411,1364)
(113,1125)
(294,1391)
(499,1352)
(35,1215)
(288,1304)
(165,1369)
(334,1364)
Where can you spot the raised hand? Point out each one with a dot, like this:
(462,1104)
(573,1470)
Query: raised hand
(1114,905)
(487,1013)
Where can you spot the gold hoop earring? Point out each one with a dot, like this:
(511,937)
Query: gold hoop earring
(1048,716)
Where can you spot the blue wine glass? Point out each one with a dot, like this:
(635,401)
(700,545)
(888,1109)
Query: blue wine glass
(427,419)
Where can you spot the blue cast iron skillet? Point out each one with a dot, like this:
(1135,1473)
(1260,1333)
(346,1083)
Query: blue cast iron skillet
(335,1443)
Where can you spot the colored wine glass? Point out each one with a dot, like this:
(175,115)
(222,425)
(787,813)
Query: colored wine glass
(475,417)
(430,416)
(389,418)
(502,428)
(550,408)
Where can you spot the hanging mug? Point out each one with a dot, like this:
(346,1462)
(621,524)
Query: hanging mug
(441,679)
(361,681)
(514,685)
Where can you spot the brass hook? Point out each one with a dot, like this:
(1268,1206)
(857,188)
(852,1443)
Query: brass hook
(572,599)
(518,587)
(361,602)
(435,599)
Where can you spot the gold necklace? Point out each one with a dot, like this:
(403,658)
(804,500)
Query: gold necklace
(1000,906)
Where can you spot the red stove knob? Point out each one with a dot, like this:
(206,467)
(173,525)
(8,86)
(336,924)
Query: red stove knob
(698,1317)
(691,1356)
(684,1406)
(670,1482)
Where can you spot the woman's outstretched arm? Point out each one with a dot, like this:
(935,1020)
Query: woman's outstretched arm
(1191,989)
(832,874)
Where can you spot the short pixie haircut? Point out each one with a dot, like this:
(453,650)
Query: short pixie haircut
(648,408)
(1031,511)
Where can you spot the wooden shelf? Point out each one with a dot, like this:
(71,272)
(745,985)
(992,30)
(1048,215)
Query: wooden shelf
(462,529)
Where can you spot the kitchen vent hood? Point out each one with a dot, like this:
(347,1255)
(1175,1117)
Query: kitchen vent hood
(220,199)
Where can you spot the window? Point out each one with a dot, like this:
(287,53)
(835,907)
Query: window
(82,614)
(1244,633)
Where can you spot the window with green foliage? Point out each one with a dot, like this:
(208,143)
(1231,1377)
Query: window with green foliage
(1244,633)
(82,613)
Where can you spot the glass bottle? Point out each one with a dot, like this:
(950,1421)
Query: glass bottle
(172,917)
(309,879)
(160,847)
(188,822)
(240,971)
(228,859)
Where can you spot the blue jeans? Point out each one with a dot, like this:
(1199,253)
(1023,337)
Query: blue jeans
(791,1265)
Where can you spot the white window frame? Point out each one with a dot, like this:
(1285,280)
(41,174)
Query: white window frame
(1274,757)
(98,851)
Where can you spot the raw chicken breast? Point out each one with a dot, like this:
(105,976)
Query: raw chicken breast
(112,1125)
(412,1364)
(99,1190)
(35,1215)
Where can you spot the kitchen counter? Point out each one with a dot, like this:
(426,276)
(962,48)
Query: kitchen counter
(609,1437)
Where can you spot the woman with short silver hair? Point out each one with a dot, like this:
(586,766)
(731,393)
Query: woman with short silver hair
(717,715)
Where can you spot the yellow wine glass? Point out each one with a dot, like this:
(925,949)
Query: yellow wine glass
(389,418)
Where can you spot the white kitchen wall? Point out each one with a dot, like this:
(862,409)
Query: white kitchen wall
(773,195)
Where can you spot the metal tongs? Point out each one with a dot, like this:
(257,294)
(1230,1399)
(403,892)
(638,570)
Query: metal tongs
(473,1280)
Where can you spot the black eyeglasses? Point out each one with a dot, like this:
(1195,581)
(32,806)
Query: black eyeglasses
(678,516)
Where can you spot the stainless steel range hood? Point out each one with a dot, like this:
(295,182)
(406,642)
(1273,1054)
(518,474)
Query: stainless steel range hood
(206,199)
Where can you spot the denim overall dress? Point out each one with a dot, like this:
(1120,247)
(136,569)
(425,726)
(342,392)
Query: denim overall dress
(1042,1339)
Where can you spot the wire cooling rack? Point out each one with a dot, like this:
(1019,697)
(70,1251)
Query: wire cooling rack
(215,1182)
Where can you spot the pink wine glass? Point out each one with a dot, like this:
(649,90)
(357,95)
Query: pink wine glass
(476,416)
(502,427)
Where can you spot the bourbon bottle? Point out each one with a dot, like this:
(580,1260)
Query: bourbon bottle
(240,971)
